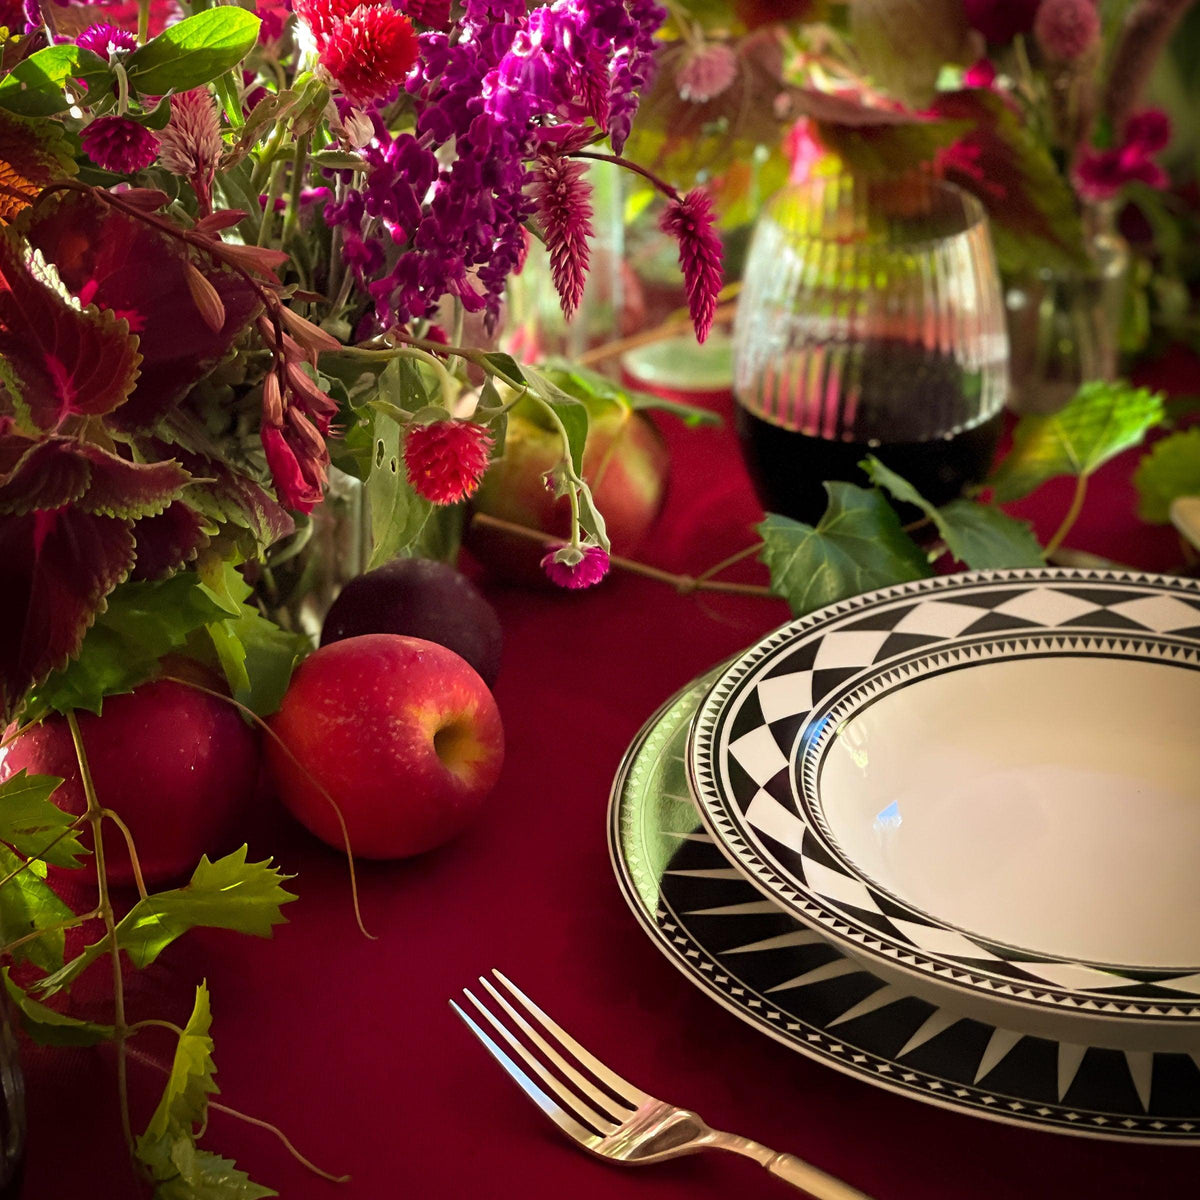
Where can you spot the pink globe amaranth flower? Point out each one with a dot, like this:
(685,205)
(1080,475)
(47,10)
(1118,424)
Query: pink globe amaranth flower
(706,71)
(1001,20)
(980,74)
(563,198)
(690,220)
(1149,130)
(446,460)
(1066,30)
(103,38)
(274,15)
(575,568)
(369,49)
(119,144)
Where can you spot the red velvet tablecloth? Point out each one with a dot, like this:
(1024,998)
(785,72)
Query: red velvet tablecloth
(350,1046)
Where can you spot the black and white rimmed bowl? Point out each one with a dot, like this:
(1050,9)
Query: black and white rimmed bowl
(985,786)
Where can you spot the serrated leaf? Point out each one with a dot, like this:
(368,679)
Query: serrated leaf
(227,894)
(144,621)
(33,155)
(1102,420)
(184,1103)
(903,44)
(977,535)
(1170,470)
(857,545)
(193,52)
(50,1028)
(36,86)
(121,488)
(27,904)
(206,1176)
(34,825)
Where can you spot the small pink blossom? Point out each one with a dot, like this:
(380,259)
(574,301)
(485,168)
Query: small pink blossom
(576,567)
(802,147)
(691,221)
(980,74)
(1100,174)
(1066,30)
(118,144)
(103,38)
(706,71)
(446,460)
(190,145)
(563,197)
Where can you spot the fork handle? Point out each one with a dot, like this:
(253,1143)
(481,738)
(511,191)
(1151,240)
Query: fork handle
(810,1179)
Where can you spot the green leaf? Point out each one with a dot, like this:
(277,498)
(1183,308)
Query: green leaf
(1102,420)
(590,385)
(27,903)
(144,621)
(194,52)
(1170,470)
(227,894)
(857,545)
(203,1175)
(507,366)
(903,44)
(184,1103)
(34,825)
(398,514)
(571,412)
(976,534)
(50,1028)
(36,86)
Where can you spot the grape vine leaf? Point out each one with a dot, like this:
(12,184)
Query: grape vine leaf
(976,534)
(34,825)
(193,52)
(184,1102)
(50,1028)
(1170,470)
(27,905)
(33,155)
(858,544)
(1101,420)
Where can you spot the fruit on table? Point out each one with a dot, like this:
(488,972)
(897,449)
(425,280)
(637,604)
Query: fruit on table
(402,733)
(625,464)
(418,597)
(179,767)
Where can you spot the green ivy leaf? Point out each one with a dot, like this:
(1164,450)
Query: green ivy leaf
(1102,420)
(34,825)
(976,534)
(36,86)
(857,545)
(193,52)
(27,903)
(1170,470)
(50,1028)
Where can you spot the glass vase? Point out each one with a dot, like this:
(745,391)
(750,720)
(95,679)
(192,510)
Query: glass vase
(12,1108)
(1064,325)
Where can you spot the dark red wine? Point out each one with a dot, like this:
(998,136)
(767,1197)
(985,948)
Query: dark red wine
(789,468)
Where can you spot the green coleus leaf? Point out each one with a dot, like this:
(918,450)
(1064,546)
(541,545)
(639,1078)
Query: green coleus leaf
(1102,420)
(33,155)
(34,825)
(1170,470)
(36,86)
(976,534)
(857,545)
(28,904)
(193,52)
(230,893)
(144,621)
(50,1028)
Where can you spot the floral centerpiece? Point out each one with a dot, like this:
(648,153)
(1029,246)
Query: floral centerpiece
(237,249)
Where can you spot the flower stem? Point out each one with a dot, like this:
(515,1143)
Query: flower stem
(1072,515)
(292,221)
(664,187)
(143,24)
(95,817)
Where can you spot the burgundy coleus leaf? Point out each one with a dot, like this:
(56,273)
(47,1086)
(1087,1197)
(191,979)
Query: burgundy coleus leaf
(56,359)
(169,540)
(120,488)
(137,270)
(34,153)
(43,475)
(56,568)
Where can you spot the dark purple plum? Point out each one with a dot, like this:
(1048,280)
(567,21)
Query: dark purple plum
(418,597)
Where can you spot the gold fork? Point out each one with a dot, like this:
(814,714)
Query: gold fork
(616,1121)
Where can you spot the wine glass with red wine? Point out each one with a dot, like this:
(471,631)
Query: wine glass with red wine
(870,321)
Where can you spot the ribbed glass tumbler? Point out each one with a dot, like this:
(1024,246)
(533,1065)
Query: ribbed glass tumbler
(870,321)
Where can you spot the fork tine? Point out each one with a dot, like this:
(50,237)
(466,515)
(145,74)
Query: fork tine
(634,1096)
(570,1099)
(555,1112)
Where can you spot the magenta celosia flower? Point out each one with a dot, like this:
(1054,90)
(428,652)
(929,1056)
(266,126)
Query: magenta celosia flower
(706,71)
(103,38)
(119,144)
(576,567)
(1100,174)
(980,74)
(368,48)
(446,460)
(274,15)
(190,145)
(1066,30)
(690,220)
(433,14)
(1001,20)
(563,198)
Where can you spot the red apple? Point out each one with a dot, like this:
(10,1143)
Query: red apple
(403,735)
(179,767)
(625,464)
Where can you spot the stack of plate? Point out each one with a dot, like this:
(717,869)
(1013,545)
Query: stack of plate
(946,837)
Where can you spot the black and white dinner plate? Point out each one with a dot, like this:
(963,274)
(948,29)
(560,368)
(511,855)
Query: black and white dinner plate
(789,982)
